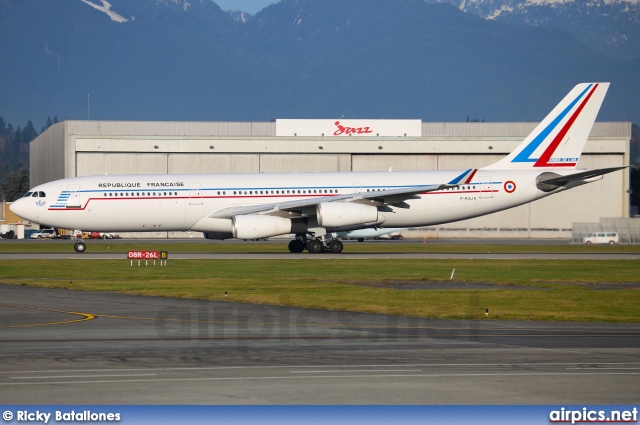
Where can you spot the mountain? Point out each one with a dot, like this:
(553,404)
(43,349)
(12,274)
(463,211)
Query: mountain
(239,15)
(611,27)
(189,60)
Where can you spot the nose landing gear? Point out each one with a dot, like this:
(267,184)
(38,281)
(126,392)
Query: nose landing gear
(80,247)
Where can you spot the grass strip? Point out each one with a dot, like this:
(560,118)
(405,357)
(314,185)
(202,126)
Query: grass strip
(558,290)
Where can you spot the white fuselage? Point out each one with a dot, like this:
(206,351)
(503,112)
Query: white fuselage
(134,203)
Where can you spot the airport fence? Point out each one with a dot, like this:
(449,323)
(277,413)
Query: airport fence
(628,229)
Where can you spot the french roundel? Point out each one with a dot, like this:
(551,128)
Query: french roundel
(509,187)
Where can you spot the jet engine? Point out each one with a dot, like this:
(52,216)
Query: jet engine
(259,226)
(338,214)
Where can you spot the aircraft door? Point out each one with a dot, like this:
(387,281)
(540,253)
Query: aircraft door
(195,194)
(486,188)
(73,199)
(357,188)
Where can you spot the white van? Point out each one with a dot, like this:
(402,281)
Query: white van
(602,237)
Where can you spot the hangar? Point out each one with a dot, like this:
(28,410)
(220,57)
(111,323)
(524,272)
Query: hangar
(82,148)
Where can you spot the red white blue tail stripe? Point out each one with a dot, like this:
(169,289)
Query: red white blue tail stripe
(559,139)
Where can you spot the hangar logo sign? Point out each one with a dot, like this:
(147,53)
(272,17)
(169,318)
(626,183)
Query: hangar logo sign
(348,128)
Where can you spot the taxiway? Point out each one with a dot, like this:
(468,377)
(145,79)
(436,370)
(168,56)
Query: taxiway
(73,347)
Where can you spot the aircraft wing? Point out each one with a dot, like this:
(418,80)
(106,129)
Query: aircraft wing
(394,197)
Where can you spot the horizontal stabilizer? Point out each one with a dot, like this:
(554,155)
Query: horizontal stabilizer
(548,182)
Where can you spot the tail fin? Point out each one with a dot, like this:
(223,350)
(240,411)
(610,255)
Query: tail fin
(559,139)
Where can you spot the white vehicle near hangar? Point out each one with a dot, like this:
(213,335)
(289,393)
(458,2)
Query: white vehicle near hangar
(44,234)
(315,205)
(602,237)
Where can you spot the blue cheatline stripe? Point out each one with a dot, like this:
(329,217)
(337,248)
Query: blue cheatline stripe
(525,154)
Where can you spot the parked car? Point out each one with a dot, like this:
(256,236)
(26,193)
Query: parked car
(602,237)
(44,234)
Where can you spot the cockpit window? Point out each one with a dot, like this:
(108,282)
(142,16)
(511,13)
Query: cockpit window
(42,195)
(35,194)
(27,195)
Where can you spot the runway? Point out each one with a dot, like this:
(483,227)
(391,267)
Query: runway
(325,256)
(72,347)
(65,250)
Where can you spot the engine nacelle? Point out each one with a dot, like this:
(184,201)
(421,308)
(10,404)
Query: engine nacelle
(259,226)
(338,214)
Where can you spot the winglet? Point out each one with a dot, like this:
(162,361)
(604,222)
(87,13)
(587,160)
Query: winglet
(465,177)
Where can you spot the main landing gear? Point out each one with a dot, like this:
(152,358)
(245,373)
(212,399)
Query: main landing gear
(315,246)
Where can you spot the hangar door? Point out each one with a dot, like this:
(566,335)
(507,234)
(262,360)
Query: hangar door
(395,162)
(304,163)
(212,163)
(91,164)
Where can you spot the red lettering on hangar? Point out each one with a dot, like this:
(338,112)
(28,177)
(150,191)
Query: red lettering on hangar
(350,130)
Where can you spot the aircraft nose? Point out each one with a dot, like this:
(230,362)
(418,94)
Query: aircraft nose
(20,208)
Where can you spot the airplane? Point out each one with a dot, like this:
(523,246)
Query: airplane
(361,234)
(314,205)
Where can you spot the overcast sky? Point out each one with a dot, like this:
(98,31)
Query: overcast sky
(251,6)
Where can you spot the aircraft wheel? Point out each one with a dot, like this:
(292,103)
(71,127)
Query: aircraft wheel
(335,247)
(611,242)
(80,247)
(314,246)
(296,246)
